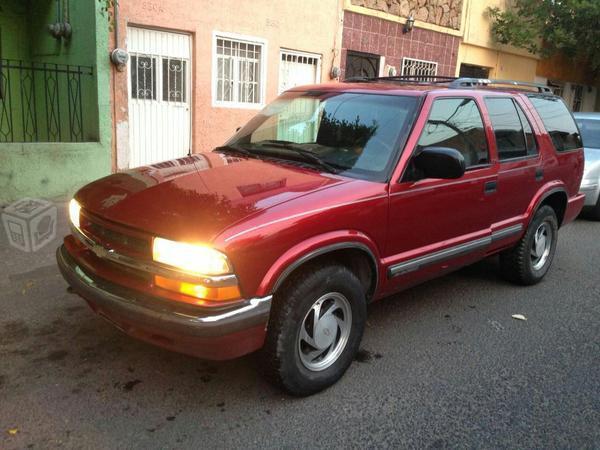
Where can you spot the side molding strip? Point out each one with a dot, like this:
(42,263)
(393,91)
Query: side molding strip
(506,232)
(442,255)
(423,261)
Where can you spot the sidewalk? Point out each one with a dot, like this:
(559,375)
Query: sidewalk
(17,265)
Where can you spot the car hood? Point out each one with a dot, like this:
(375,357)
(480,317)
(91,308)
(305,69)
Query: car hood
(197,197)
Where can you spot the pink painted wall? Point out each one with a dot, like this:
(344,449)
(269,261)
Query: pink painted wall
(309,25)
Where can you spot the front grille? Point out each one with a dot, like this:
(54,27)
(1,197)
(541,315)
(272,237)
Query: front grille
(113,237)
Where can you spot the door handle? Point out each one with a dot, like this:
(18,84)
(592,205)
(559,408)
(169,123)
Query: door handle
(490,187)
(539,174)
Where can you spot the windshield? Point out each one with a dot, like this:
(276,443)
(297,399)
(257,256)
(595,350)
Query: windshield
(590,132)
(353,134)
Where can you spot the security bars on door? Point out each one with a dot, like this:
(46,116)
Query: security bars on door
(144,78)
(418,67)
(44,102)
(238,71)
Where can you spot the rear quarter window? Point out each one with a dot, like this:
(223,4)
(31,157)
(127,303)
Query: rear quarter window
(558,122)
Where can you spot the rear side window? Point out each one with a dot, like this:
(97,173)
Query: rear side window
(558,122)
(457,123)
(514,137)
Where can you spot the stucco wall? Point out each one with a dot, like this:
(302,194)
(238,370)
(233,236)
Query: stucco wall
(446,13)
(479,48)
(310,25)
(48,170)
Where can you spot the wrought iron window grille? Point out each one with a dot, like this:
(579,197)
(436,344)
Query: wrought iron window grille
(42,102)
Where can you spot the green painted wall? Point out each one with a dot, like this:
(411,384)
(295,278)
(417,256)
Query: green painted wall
(45,169)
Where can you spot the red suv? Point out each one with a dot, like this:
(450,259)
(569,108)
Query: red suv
(332,197)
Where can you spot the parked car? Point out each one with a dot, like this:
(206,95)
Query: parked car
(589,125)
(332,197)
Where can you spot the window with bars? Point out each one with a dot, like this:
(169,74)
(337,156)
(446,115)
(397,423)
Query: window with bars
(296,69)
(418,67)
(238,75)
(577,97)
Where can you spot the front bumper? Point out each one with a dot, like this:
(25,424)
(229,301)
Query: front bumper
(223,334)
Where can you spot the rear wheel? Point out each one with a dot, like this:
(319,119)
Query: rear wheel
(315,329)
(528,262)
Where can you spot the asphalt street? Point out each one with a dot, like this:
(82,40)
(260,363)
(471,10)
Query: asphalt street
(443,365)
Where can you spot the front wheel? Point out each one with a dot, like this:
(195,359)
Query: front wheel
(528,262)
(315,329)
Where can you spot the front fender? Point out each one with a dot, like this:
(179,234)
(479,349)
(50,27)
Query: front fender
(317,246)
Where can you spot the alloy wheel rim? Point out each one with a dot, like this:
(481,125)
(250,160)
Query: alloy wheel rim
(324,331)
(541,246)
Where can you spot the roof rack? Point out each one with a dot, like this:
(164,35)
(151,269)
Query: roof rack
(459,83)
(453,82)
(405,78)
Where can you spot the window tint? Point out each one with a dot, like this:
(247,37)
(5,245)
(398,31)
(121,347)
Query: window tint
(529,137)
(558,122)
(514,137)
(457,123)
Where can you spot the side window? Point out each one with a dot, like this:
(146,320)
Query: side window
(529,137)
(457,123)
(558,121)
(514,137)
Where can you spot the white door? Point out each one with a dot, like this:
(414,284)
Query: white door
(298,68)
(159,95)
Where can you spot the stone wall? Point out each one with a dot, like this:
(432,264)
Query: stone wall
(445,13)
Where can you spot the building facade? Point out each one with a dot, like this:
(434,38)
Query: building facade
(480,56)
(380,40)
(55,130)
(197,71)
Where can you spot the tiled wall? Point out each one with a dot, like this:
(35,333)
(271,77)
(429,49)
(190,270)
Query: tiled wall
(385,38)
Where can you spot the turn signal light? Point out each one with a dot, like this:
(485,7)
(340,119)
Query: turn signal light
(197,290)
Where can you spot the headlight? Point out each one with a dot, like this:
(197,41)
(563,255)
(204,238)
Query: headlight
(196,259)
(74,211)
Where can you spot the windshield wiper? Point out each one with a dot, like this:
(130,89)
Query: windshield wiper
(233,149)
(306,155)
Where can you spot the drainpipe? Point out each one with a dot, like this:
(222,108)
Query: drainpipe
(118,56)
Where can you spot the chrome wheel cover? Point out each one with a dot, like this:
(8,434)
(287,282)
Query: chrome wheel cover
(324,331)
(541,246)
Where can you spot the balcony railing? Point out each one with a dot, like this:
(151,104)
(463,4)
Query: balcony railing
(46,102)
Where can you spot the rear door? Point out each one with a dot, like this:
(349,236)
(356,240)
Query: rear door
(437,224)
(520,172)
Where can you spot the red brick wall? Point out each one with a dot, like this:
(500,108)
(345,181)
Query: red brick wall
(385,38)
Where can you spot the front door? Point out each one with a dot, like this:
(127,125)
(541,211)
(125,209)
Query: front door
(159,95)
(437,224)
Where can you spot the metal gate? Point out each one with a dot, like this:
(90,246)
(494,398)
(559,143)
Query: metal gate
(361,65)
(159,95)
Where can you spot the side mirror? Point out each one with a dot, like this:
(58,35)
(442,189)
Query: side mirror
(440,162)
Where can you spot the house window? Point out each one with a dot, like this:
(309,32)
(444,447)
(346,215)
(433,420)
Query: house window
(296,69)
(577,97)
(143,77)
(419,68)
(238,78)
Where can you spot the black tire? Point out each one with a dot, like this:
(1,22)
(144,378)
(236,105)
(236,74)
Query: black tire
(517,264)
(281,359)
